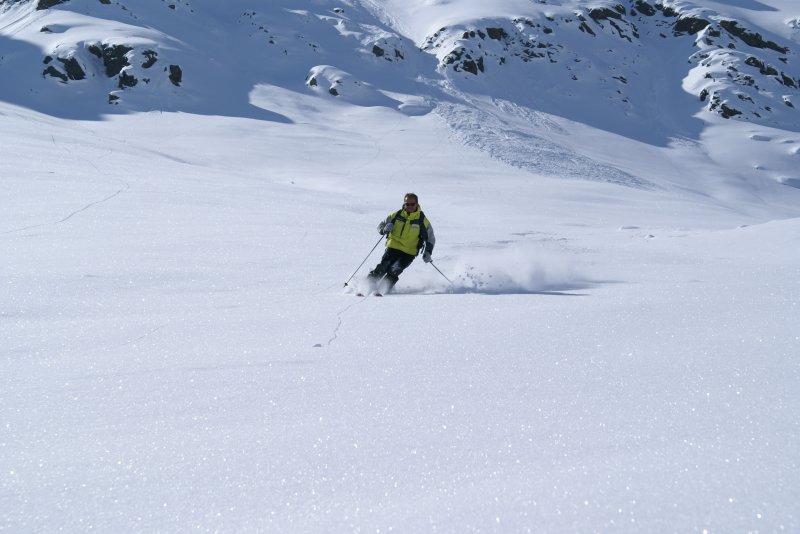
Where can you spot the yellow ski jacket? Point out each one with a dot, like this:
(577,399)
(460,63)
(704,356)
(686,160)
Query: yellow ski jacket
(405,234)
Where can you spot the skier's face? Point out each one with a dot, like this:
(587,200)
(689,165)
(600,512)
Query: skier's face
(410,204)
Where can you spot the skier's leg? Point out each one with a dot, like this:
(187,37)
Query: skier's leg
(387,284)
(376,274)
(395,269)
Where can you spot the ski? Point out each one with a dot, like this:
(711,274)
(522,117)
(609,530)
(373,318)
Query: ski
(373,294)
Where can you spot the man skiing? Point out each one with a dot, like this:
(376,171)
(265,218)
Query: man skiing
(408,232)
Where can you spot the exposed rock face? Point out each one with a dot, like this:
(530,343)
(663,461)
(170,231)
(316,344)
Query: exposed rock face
(47,4)
(112,60)
(151,56)
(114,57)
(690,25)
(71,69)
(750,38)
(175,74)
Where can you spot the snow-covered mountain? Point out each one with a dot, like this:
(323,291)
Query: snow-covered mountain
(651,72)
(624,59)
(608,342)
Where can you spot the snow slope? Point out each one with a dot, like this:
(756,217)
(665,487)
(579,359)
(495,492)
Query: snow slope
(618,351)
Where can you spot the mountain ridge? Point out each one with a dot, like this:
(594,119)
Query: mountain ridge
(735,71)
(651,72)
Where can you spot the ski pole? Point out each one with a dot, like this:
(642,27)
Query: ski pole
(365,259)
(440,272)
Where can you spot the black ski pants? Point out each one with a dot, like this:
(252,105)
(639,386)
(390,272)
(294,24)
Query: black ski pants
(392,264)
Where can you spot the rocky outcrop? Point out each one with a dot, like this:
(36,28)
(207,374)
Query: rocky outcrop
(175,75)
(70,69)
(113,61)
(741,73)
(385,51)
(752,39)
(114,57)
(47,4)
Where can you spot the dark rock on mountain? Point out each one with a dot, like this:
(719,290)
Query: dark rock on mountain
(114,57)
(753,39)
(72,70)
(47,4)
(151,56)
(690,25)
(175,75)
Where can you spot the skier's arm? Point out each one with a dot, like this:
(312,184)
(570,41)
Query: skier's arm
(383,223)
(431,238)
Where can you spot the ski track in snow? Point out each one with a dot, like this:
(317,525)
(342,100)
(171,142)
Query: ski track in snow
(340,320)
(70,215)
(125,187)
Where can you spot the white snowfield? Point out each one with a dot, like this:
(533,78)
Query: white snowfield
(619,350)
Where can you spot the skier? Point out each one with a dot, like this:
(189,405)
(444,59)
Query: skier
(408,232)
